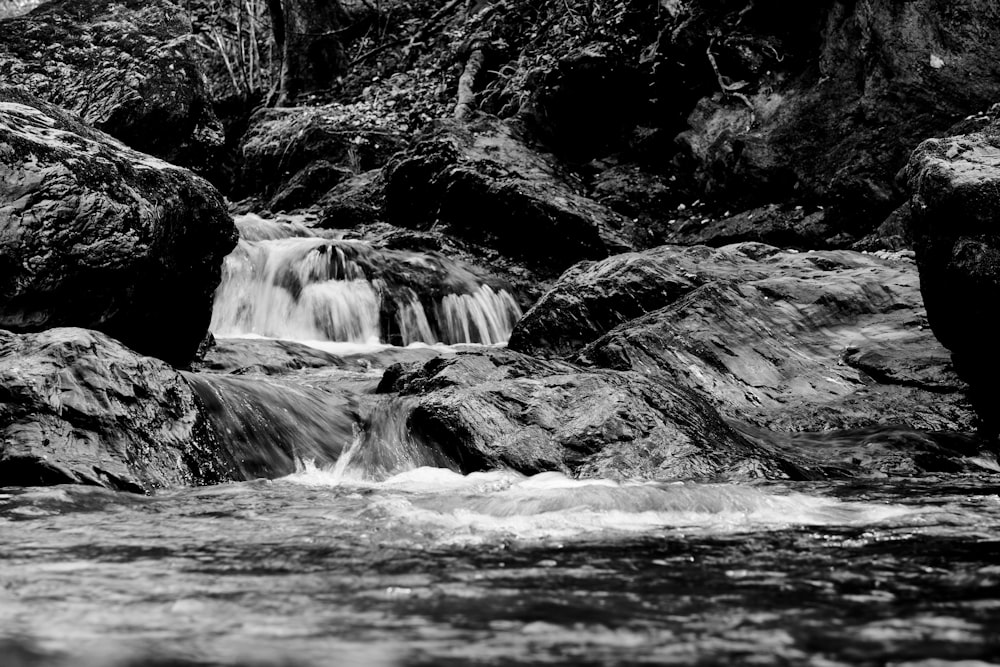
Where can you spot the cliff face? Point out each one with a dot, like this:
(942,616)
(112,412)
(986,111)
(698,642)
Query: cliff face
(829,114)
(126,68)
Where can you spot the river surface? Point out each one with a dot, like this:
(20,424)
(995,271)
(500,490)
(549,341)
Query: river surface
(433,568)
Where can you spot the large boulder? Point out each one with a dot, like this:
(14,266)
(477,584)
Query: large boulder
(291,157)
(504,409)
(591,298)
(94,234)
(78,407)
(485,183)
(954,212)
(822,102)
(784,340)
(125,67)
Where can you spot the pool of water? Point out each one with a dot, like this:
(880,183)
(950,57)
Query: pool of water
(433,568)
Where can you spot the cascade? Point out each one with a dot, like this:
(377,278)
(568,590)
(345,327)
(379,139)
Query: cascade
(284,280)
(266,427)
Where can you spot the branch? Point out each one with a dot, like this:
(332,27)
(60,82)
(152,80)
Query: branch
(466,83)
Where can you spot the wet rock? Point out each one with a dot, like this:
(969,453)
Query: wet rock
(263,356)
(293,156)
(592,298)
(270,357)
(956,200)
(356,201)
(269,427)
(823,102)
(94,234)
(78,407)
(798,342)
(282,283)
(486,184)
(783,226)
(503,409)
(879,452)
(125,67)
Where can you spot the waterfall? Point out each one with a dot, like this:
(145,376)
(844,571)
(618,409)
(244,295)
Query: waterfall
(285,281)
(484,316)
(266,426)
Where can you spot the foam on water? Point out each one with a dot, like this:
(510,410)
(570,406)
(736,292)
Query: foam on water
(486,506)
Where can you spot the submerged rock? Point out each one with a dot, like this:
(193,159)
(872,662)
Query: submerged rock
(124,67)
(954,212)
(793,341)
(504,409)
(94,234)
(488,185)
(78,407)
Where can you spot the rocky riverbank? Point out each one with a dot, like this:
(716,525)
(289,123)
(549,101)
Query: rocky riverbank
(671,191)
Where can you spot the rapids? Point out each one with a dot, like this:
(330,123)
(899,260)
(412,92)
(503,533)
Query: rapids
(371,548)
(432,568)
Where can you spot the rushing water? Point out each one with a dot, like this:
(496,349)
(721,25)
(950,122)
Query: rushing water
(284,281)
(368,550)
(432,568)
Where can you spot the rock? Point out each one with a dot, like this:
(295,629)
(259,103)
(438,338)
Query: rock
(264,356)
(879,452)
(892,235)
(783,226)
(824,101)
(269,357)
(356,201)
(639,194)
(293,156)
(94,234)
(793,341)
(798,342)
(503,409)
(594,77)
(78,407)
(488,185)
(956,200)
(126,67)
(592,298)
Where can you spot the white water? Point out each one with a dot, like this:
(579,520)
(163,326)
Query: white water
(484,316)
(284,281)
(485,507)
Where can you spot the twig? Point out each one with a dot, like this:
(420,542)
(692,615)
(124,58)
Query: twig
(225,59)
(377,50)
